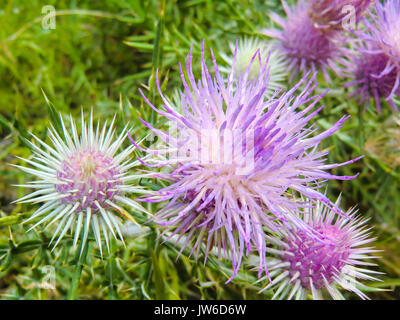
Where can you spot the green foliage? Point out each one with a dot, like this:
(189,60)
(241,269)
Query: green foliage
(99,55)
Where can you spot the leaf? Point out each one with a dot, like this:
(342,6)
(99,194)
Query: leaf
(159,284)
(13,219)
(156,61)
(54,115)
(16,129)
(6,262)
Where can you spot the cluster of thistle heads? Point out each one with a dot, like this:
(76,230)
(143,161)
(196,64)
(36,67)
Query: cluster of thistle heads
(343,37)
(240,164)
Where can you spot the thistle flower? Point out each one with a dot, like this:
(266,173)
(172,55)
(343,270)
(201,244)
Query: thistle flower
(384,31)
(305,264)
(305,46)
(376,65)
(371,78)
(330,15)
(81,181)
(242,54)
(236,161)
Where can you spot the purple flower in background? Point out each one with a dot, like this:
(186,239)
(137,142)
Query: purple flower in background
(334,15)
(237,162)
(371,80)
(384,30)
(81,181)
(305,46)
(376,65)
(337,257)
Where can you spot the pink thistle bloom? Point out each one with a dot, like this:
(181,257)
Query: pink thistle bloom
(371,79)
(305,46)
(237,161)
(304,264)
(376,64)
(331,15)
(81,182)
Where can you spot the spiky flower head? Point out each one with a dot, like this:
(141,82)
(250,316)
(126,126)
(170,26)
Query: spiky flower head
(376,64)
(334,15)
(334,257)
(82,181)
(236,161)
(242,54)
(305,46)
(384,30)
(371,79)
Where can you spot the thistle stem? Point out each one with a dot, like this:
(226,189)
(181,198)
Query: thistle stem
(361,127)
(76,275)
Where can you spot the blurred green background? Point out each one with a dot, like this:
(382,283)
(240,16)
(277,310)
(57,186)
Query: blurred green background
(97,57)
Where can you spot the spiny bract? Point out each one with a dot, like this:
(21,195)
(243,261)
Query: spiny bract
(243,53)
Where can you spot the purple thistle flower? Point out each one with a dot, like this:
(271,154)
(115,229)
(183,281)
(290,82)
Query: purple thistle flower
(305,46)
(237,161)
(376,64)
(305,264)
(370,79)
(384,30)
(330,14)
(82,181)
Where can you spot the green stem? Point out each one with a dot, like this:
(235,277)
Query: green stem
(58,13)
(361,127)
(156,61)
(111,266)
(76,275)
(149,270)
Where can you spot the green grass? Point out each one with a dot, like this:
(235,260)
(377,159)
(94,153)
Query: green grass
(99,55)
